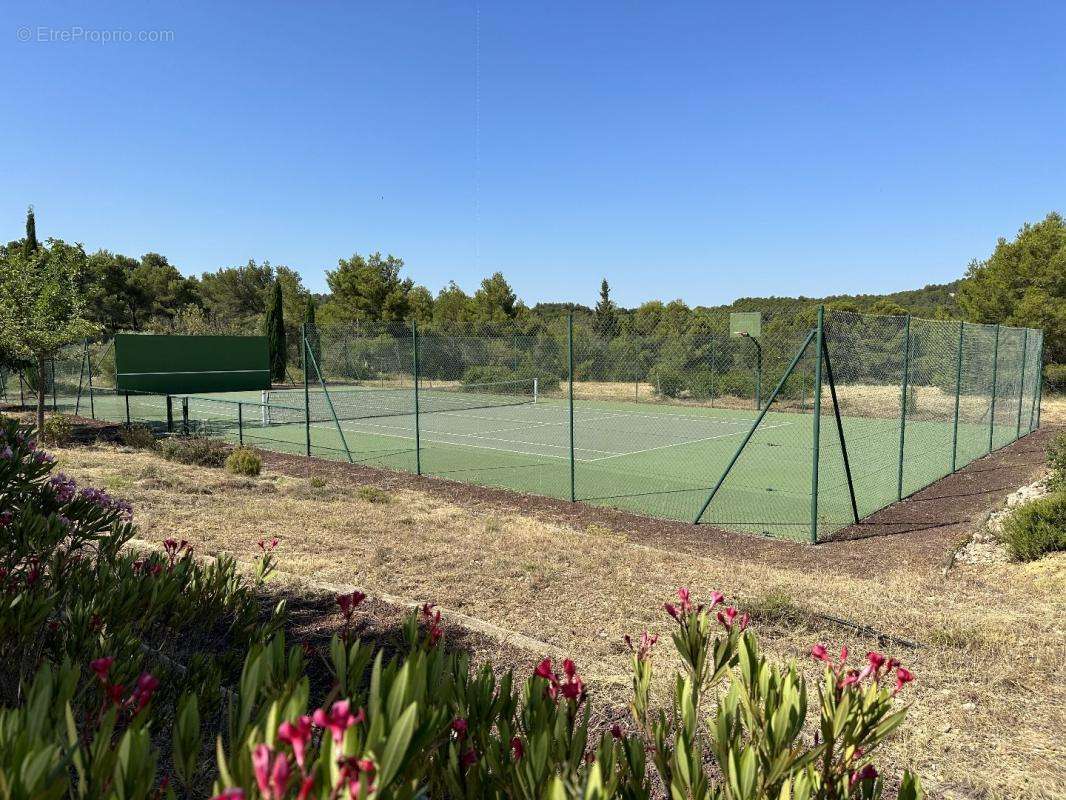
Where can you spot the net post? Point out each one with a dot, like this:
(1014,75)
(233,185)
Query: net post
(536,390)
(307,391)
(904,386)
(418,420)
(816,432)
(570,391)
(185,416)
(1038,389)
(840,430)
(754,425)
(170,414)
(958,392)
(995,378)
(240,422)
(1021,383)
(127,409)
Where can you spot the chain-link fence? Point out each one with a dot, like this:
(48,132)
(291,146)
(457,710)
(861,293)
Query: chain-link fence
(797,432)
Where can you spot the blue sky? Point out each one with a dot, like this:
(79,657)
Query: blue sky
(704,151)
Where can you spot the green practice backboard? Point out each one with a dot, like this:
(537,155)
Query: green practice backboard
(745,322)
(189,364)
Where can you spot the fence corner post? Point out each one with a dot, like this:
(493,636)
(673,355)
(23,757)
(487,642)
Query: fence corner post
(995,380)
(817,422)
(570,391)
(904,387)
(418,425)
(307,391)
(958,393)
(1021,383)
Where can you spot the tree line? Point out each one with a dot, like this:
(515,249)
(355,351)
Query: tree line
(54,292)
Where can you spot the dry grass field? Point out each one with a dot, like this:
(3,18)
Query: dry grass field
(987,715)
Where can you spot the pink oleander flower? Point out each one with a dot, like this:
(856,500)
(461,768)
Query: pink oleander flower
(234,793)
(643,649)
(145,688)
(867,773)
(431,617)
(101,667)
(671,609)
(517,749)
(716,598)
(297,735)
(616,731)
(469,758)
(686,603)
(903,677)
(876,660)
(726,616)
(339,719)
(544,669)
(819,653)
(459,727)
(268,546)
(261,757)
(349,602)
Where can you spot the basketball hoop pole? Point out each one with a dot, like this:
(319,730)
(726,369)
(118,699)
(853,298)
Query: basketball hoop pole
(758,368)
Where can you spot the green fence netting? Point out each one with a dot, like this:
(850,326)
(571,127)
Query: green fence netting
(793,434)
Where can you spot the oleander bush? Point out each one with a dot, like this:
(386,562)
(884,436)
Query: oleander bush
(133,674)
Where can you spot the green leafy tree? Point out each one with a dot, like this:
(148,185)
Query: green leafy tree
(421,300)
(1023,283)
(368,288)
(275,332)
(495,301)
(113,298)
(606,314)
(162,292)
(43,306)
(241,292)
(453,307)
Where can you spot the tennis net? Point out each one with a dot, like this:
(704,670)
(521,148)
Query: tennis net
(282,406)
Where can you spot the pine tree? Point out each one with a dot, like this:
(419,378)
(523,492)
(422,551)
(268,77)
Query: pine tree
(311,332)
(275,333)
(29,244)
(606,316)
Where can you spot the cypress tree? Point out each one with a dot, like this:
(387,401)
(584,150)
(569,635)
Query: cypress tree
(311,332)
(606,318)
(275,333)
(29,244)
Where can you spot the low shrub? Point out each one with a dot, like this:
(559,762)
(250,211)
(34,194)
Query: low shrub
(57,430)
(1037,528)
(317,482)
(244,461)
(141,437)
(198,450)
(669,380)
(372,494)
(1055,379)
(1056,461)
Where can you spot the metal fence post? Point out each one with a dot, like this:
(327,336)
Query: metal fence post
(81,375)
(995,378)
(958,391)
(170,414)
(127,409)
(817,423)
(418,421)
(307,392)
(905,386)
(240,422)
(1038,389)
(185,416)
(22,391)
(1021,383)
(570,382)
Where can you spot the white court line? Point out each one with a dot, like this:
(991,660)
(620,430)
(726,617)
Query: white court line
(560,406)
(679,444)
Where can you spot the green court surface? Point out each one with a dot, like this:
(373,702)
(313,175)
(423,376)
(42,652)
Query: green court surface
(652,459)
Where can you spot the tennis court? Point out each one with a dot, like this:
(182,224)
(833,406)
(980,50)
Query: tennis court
(635,456)
(793,430)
